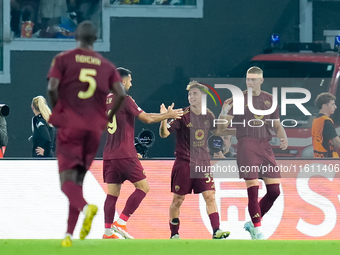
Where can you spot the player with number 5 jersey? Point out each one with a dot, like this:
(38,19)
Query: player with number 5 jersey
(120,158)
(79,81)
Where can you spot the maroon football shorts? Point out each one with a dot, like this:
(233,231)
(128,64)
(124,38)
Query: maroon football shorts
(119,170)
(76,148)
(255,159)
(183,183)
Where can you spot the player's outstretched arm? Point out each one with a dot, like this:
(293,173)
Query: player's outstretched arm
(52,89)
(149,118)
(281,134)
(120,93)
(163,128)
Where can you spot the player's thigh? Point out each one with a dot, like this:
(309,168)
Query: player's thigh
(248,158)
(251,182)
(113,189)
(206,182)
(269,167)
(91,144)
(134,171)
(181,183)
(69,149)
(113,171)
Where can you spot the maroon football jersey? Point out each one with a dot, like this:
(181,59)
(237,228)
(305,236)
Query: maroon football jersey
(260,102)
(120,141)
(85,80)
(193,132)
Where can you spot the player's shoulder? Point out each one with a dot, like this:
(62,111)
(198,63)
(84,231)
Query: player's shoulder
(267,94)
(130,98)
(186,110)
(65,53)
(210,113)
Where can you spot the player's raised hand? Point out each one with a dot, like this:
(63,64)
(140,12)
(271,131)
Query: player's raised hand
(226,107)
(284,143)
(171,106)
(163,109)
(175,114)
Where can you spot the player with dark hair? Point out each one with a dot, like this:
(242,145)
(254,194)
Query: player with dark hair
(254,149)
(324,137)
(79,81)
(120,158)
(192,150)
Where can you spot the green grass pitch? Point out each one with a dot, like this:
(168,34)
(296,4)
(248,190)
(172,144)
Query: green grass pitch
(169,247)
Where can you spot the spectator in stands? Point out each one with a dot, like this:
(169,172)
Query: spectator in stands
(51,12)
(24,11)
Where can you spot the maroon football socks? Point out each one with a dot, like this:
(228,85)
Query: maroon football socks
(214,221)
(273,191)
(74,193)
(73,215)
(132,204)
(253,205)
(109,210)
(174,226)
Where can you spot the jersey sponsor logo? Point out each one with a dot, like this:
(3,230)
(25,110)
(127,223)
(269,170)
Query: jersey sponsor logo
(199,134)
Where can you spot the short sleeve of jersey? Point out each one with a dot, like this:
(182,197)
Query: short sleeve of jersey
(132,107)
(56,68)
(173,125)
(329,130)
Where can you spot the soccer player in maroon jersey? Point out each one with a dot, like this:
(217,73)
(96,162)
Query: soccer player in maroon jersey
(120,158)
(254,149)
(192,150)
(79,81)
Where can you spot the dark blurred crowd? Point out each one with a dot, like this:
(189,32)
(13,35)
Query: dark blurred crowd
(51,18)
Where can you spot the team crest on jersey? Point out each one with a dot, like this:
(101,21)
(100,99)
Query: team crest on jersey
(267,103)
(177,188)
(199,134)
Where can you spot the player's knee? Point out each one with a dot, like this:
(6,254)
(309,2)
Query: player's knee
(178,201)
(273,192)
(210,198)
(146,189)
